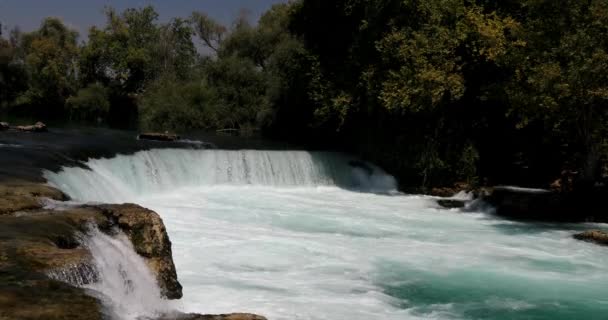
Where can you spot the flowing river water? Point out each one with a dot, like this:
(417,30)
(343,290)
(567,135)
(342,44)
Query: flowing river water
(305,235)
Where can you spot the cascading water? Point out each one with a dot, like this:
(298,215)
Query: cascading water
(118,277)
(126,177)
(282,234)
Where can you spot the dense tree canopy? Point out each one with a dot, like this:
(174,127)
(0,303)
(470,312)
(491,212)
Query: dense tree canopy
(436,91)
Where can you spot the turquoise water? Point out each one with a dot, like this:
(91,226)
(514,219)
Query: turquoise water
(297,245)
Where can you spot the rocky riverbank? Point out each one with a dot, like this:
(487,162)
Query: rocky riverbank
(38,236)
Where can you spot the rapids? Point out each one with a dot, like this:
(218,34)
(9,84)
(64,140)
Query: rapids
(304,235)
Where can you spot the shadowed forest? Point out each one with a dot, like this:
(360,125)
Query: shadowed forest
(437,91)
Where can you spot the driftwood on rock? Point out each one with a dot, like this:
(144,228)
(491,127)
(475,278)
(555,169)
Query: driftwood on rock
(158,136)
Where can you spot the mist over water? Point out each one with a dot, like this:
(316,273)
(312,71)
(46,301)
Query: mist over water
(292,235)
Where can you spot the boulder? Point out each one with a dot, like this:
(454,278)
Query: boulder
(37,127)
(551,206)
(31,246)
(451,203)
(526,204)
(156,136)
(36,243)
(594,236)
(147,232)
(4,126)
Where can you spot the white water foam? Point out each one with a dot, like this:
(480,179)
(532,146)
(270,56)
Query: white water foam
(118,276)
(124,178)
(292,244)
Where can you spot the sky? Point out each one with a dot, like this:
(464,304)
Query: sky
(81,14)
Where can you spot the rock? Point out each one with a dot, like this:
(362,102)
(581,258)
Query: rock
(31,246)
(16,197)
(155,136)
(4,126)
(444,192)
(449,191)
(451,204)
(40,242)
(232,316)
(37,127)
(595,236)
(546,205)
(525,204)
(147,232)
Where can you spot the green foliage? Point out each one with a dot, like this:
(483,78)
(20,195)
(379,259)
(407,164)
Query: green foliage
(436,91)
(13,77)
(170,104)
(208,30)
(49,56)
(561,76)
(89,103)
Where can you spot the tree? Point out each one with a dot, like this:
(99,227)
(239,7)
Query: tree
(208,30)
(13,77)
(91,103)
(131,52)
(49,56)
(561,77)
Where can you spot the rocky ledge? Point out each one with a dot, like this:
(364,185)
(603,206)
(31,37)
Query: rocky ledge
(36,240)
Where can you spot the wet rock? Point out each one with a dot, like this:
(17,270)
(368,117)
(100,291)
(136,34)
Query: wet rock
(37,127)
(147,232)
(156,136)
(4,126)
(41,244)
(17,197)
(526,204)
(594,236)
(545,205)
(30,247)
(449,191)
(451,204)
(232,316)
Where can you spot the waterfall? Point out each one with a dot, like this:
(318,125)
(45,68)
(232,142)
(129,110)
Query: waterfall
(118,276)
(127,177)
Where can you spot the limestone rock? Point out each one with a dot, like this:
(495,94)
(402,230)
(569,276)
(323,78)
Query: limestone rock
(595,236)
(37,127)
(15,197)
(30,246)
(147,232)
